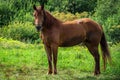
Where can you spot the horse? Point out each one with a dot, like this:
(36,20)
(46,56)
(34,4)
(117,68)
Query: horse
(56,33)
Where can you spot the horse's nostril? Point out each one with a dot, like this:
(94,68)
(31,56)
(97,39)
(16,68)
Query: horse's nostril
(38,28)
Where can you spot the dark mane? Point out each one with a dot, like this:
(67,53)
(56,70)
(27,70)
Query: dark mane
(50,20)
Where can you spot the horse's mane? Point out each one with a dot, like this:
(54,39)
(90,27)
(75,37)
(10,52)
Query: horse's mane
(50,20)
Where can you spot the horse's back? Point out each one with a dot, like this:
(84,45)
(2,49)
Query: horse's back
(89,24)
(85,23)
(81,26)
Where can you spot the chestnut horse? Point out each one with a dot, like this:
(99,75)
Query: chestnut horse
(56,33)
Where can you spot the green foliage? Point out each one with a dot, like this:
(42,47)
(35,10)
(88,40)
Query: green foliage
(15,9)
(6,14)
(107,10)
(81,5)
(20,31)
(69,16)
(107,14)
(23,17)
(72,6)
(115,33)
(104,12)
(10,9)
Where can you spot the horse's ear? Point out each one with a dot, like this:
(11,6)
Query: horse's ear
(34,7)
(42,7)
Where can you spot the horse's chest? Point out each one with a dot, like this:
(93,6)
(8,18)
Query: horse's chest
(46,39)
(49,39)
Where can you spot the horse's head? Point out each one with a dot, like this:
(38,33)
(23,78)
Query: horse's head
(39,16)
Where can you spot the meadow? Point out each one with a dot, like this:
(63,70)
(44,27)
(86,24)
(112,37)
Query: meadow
(25,61)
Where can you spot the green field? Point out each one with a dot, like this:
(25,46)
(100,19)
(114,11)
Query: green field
(20,61)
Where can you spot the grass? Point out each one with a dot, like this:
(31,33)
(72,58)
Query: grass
(20,61)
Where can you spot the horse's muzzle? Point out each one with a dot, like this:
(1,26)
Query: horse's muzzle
(38,28)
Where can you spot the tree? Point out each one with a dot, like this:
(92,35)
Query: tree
(106,8)
(81,5)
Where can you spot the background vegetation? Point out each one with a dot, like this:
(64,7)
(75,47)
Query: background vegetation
(105,13)
(21,57)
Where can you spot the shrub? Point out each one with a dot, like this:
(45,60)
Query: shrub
(69,16)
(114,34)
(9,43)
(6,14)
(20,31)
(106,8)
(23,17)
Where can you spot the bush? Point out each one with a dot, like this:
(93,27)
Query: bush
(114,34)
(106,8)
(20,31)
(69,16)
(23,17)
(9,43)
(6,14)
(107,13)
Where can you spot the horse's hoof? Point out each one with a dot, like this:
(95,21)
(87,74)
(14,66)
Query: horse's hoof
(55,73)
(50,72)
(97,73)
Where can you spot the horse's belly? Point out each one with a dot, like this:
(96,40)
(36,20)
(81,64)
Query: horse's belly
(72,42)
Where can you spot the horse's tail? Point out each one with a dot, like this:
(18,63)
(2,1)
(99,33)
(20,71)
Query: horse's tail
(105,51)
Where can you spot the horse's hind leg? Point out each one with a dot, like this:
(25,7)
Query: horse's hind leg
(94,51)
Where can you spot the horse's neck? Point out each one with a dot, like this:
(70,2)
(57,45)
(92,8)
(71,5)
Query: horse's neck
(50,20)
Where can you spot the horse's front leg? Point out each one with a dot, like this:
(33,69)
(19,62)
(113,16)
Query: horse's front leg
(55,52)
(49,56)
